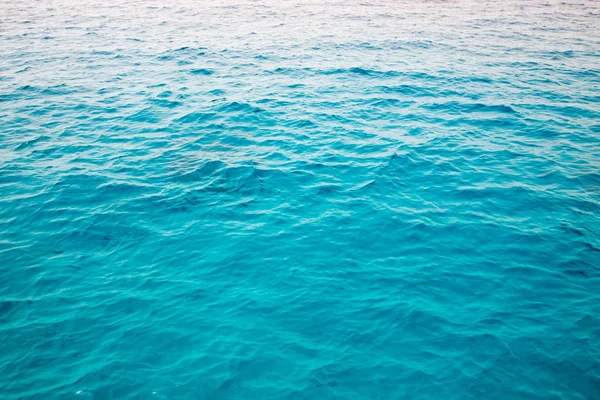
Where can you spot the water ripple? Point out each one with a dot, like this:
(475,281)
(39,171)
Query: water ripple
(297,200)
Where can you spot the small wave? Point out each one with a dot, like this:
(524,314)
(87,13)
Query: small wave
(202,71)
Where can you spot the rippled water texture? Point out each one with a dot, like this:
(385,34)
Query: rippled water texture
(358,199)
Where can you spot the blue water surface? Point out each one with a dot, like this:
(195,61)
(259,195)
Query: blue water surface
(293,199)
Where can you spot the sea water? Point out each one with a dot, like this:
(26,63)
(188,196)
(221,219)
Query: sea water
(333,199)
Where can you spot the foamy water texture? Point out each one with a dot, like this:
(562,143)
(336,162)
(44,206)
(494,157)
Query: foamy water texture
(339,199)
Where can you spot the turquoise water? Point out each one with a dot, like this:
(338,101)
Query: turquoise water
(362,199)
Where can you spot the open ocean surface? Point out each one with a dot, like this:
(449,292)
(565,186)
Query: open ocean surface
(333,199)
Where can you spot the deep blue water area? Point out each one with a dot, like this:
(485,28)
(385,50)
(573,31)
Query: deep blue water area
(293,199)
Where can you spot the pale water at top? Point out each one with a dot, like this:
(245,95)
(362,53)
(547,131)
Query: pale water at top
(361,199)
